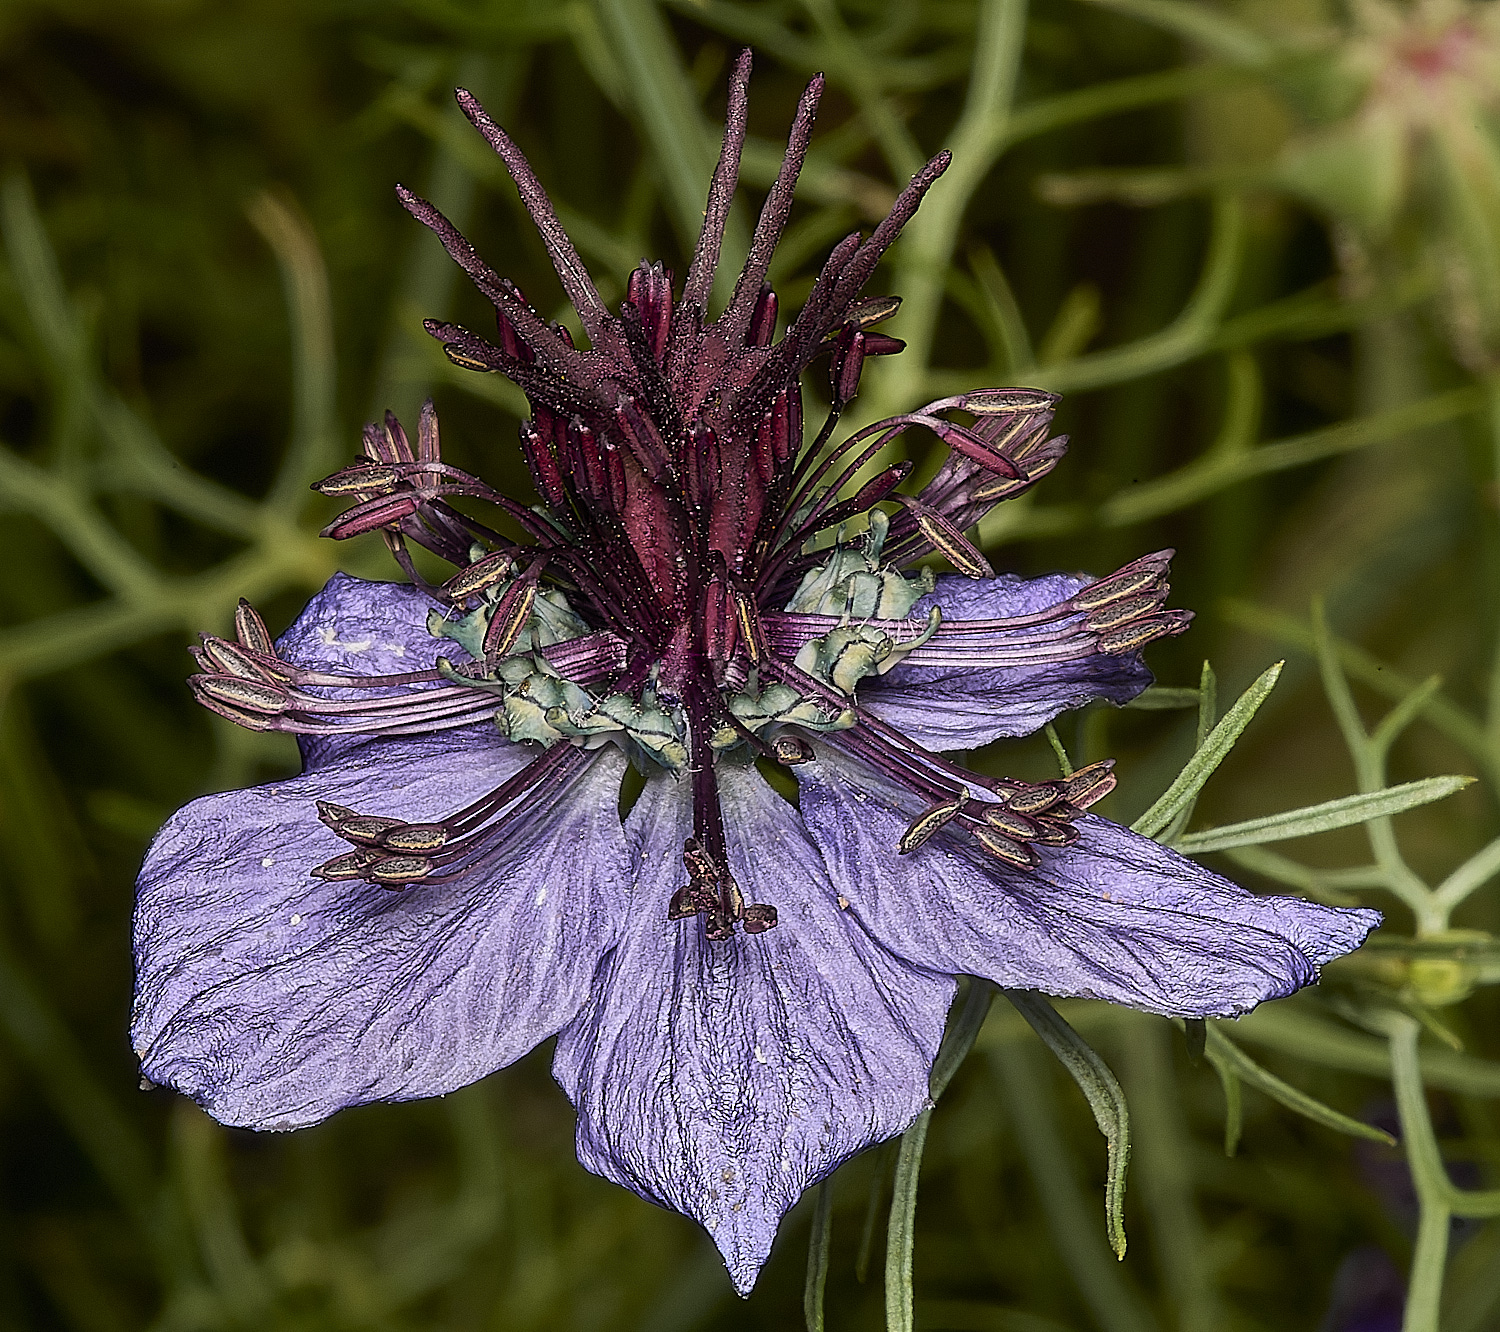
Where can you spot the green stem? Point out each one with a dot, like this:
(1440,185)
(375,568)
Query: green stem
(926,248)
(1187,336)
(312,451)
(1218,470)
(53,642)
(1071,1218)
(1429,1176)
(1166,1179)
(73,520)
(1287,1027)
(242,1287)
(901,1237)
(901,1229)
(1472,875)
(1369,771)
(1492,716)
(1104,99)
(1443,714)
(817,1258)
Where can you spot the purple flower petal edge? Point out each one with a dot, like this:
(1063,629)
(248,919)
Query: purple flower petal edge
(721,1080)
(361,627)
(1116,917)
(273,998)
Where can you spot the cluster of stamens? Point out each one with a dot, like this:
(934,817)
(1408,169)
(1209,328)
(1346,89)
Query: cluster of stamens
(712,893)
(1025,815)
(685,585)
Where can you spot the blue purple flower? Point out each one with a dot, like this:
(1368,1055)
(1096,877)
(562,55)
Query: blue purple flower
(744,993)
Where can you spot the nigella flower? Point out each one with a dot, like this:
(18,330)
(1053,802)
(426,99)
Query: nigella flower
(744,993)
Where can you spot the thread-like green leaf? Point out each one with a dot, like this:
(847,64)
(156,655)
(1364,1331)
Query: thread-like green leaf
(1234,1105)
(1321,818)
(1201,766)
(1231,1061)
(1100,1088)
(817,1257)
(900,1232)
(1164,698)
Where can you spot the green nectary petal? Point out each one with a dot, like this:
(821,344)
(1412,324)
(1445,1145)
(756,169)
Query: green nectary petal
(847,654)
(538,705)
(552,620)
(852,584)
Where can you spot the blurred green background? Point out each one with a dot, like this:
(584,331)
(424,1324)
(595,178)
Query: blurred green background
(1257,245)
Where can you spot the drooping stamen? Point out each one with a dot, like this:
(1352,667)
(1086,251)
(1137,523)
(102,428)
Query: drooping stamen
(926,824)
(218,657)
(711,891)
(251,630)
(947,540)
(512,613)
(482,574)
(362,479)
(395,853)
(964,491)
(649,291)
(265,693)
(267,709)
(540,382)
(987,447)
(811,506)
(368,516)
(952,792)
(846,271)
(1122,617)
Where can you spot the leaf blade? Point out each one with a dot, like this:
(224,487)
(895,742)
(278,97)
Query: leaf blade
(1215,747)
(1100,1088)
(1331,814)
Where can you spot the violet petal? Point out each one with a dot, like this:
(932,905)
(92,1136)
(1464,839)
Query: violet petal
(273,998)
(722,1079)
(366,628)
(360,627)
(967,705)
(1116,917)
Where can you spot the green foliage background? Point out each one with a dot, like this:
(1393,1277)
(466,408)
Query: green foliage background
(207,285)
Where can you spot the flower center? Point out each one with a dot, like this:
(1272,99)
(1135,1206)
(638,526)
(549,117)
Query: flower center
(698,577)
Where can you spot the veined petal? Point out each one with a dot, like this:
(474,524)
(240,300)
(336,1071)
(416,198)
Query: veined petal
(963,704)
(365,628)
(1116,916)
(273,998)
(722,1079)
(360,627)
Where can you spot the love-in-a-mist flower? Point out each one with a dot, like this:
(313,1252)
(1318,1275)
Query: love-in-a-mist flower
(744,992)
(1411,159)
